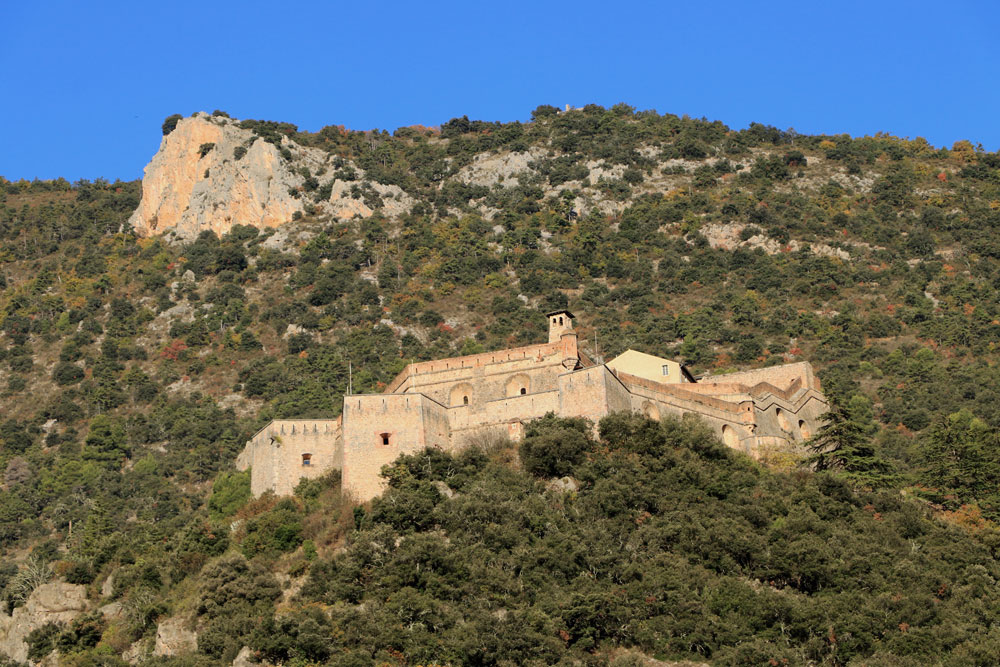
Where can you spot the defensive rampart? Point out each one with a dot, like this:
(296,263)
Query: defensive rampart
(288,450)
(450,402)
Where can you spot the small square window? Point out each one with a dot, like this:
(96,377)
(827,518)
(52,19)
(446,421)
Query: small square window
(666,369)
(307,459)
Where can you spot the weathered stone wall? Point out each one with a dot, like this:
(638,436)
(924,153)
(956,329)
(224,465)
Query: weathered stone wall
(658,401)
(275,453)
(797,419)
(412,376)
(448,403)
(506,413)
(379,428)
(776,418)
(488,376)
(780,376)
(583,393)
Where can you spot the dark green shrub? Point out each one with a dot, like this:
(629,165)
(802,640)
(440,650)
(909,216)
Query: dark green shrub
(66,373)
(171,123)
(553,446)
(42,640)
(274,532)
(80,572)
(230,491)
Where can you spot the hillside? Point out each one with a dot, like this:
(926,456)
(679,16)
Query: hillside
(134,365)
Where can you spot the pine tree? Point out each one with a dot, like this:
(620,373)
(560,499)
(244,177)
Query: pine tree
(844,445)
(960,455)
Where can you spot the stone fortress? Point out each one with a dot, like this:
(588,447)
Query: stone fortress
(450,402)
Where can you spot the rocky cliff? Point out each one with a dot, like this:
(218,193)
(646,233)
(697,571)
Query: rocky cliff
(54,602)
(211,174)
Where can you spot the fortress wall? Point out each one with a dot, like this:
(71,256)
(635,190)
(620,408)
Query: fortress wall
(512,430)
(410,422)
(617,395)
(523,408)
(678,392)
(794,420)
(584,393)
(727,391)
(410,376)
(716,388)
(679,406)
(488,382)
(732,425)
(505,416)
(787,393)
(499,411)
(274,454)
(780,376)
(436,425)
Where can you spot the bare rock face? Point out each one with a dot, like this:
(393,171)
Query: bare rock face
(211,174)
(244,658)
(54,602)
(173,638)
(196,181)
(343,206)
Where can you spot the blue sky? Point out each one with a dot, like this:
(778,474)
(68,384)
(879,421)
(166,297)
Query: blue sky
(87,85)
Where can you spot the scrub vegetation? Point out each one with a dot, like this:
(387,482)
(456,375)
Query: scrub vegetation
(132,371)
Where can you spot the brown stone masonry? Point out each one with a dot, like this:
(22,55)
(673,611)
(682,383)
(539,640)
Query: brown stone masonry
(449,402)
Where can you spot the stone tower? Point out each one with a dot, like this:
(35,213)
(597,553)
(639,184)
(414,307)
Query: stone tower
(560,322)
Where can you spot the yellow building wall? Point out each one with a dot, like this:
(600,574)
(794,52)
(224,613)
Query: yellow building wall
(647,366)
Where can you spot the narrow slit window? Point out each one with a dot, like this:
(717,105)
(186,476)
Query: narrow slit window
(307,459)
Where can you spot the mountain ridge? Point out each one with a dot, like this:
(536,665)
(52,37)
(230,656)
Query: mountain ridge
(133,368)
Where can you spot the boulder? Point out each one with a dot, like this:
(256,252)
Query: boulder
(173,638)
(563,485)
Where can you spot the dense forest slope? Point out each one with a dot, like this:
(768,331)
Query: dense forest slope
(134,366)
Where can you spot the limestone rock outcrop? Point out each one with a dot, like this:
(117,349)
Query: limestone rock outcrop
(55,602)
(212,174)
(173,638)
(197,182)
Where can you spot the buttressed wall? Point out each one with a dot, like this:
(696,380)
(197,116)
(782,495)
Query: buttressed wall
(449,402)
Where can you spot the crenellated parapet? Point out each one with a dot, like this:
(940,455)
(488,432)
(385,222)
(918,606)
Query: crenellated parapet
(286,451)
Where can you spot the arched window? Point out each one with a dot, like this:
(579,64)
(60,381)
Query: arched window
(465,400)
(560,321)
(523,391)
